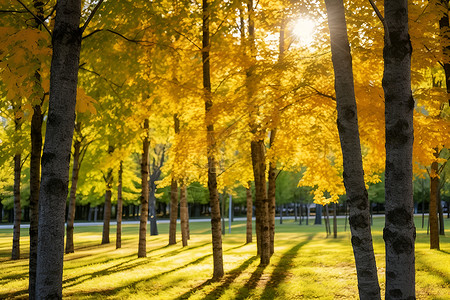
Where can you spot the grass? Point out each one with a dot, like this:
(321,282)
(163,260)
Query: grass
(306,265)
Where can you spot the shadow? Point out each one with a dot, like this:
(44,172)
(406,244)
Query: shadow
(231,276)
(251,283)
(22,294)
(176,251)
(194,290)
(443,251)
(281,270)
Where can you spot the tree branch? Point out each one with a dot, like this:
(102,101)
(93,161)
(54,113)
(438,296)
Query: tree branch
(91,16)
(188,40)
(36,17)
(377,11)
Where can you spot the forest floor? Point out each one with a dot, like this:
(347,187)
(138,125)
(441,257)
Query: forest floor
(306,265)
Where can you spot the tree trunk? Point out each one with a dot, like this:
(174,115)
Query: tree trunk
(35,172)
(433,217)
(249,237)
(183,215)
(142,251)
(318,218)
(440,214)
(173,212)
(261,201)
(399,232)
(35,179)
(107,208)
(334,221)
(272,178)
(17,208)
(444,27)
(66,43)
(211,145)
(353,175)
(119,209)
(72,197)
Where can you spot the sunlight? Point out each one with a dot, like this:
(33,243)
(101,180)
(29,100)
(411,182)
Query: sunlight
(304,30)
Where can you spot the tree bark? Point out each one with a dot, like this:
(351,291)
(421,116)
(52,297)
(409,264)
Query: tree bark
(353,175)
(444,27)
(249,237)
(156,172)
(119,208)
(72,197)
(183,215)
(66,42)
(433,217)
(173,212)
(107,206)
(399,232)
(17,207)
(142,251)
(211,145)
(261,200)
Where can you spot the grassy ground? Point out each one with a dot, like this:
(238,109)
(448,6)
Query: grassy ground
(306,265)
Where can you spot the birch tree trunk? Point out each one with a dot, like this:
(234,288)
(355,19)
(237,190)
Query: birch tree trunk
(347,124)
(72,197)
(142,251)
(119,208)
(211,147)
(399,232)
(66,42)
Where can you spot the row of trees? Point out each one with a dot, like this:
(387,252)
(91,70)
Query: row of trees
(225,93)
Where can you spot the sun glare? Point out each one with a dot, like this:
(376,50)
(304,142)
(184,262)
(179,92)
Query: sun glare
(304,30)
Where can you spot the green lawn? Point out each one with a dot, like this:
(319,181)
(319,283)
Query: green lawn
(306,265)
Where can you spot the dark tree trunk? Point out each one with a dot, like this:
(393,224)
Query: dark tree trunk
(211,148)
(440,214)
(66,42)
(261,201)
(72,197)
(433,217)
(334,220)
(119,209)
(399,232)
(17,208)
(173,212)
(444,27)
(272,178)
(142,250)
(318,219)
(249,236)
(107,207)
(183,215)
(353,175)
(35,174)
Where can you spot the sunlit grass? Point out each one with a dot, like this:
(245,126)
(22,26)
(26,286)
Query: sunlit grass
(305,265)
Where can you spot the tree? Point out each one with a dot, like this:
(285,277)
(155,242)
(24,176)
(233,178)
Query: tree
(142,252)
(211,147)
(55,165)
(347,124)
(399,231)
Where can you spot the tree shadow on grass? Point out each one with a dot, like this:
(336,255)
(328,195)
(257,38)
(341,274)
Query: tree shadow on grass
(429,269)
(281,270)
(218,291)
(22,294)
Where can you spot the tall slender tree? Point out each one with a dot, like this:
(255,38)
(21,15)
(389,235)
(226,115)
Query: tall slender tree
(142,252)
(66,42)
(119,208)
(347,124)
(399,232)
(211,147)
